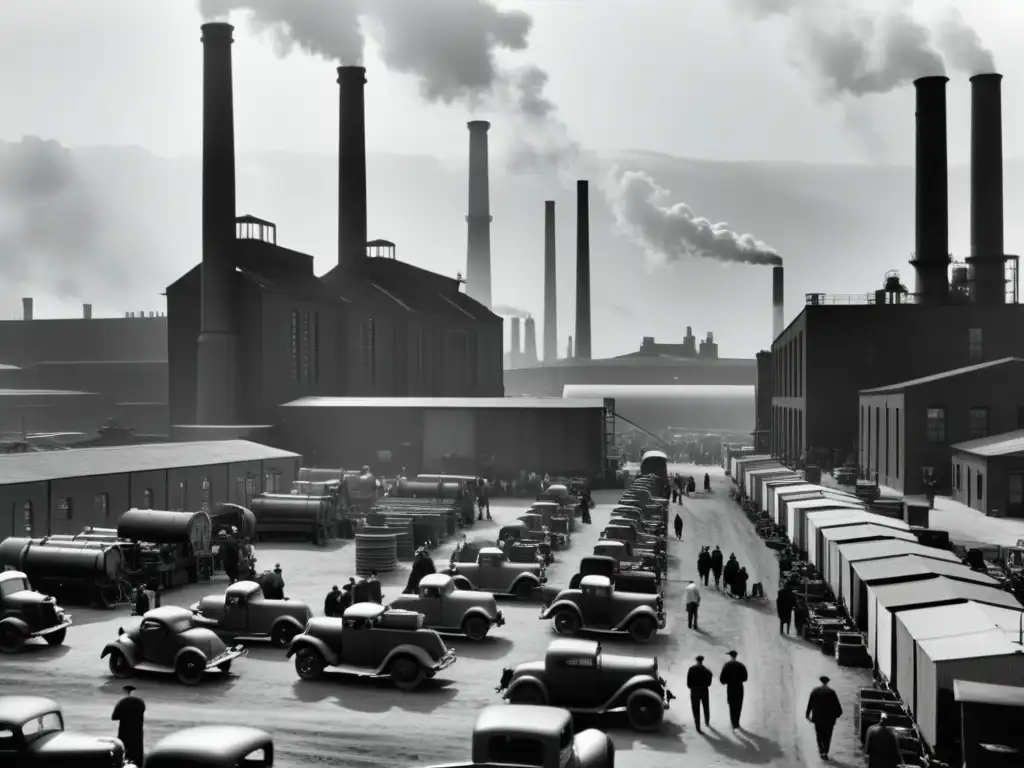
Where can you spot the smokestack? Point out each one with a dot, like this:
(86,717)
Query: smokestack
(931,230)
(583,270)
(778,303)
(516,348)
(26,309)
(87,311)
(987,262)
(217,350)
(351,167)
(530,344)
(550,286)
(568,350)
(478,243)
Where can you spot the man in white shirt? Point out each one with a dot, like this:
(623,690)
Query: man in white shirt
(692,600)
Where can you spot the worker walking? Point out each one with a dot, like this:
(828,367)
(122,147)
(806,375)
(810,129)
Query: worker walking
(130,714)
(716,565)
(707,483)
(679,526)
(823,709)
(732,567)
(733,676)
(882,746)
(692,600)
(698,680)
(784,604)
(704,564)
(332,603)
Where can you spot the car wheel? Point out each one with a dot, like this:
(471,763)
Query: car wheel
(476,627)
(642,629)
(406,672)
(57,638)
(11,639)
(282,634)
(225,667)
(527,694)
(119,666)
(524,590)
(309,664)
(566,622)
(189,668)
(644,710)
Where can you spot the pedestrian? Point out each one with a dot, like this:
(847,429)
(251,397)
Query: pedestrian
(732,567)
(716,565)
(741,583)
(140,603)
(882,745)
(679,526)
(692,599)
(800,615)
(484,499)
(784,608)
(698,680)
(332,603)
(692,487)
(707,483)
(130,714)
(823,709)
(704,564)
(733,676)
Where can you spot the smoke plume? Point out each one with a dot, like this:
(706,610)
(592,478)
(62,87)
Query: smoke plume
(507,311)
(671,231)
(449,46)
(858,52)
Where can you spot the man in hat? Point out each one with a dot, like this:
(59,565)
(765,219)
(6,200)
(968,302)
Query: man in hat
(130,714)
(733,676)
(823,709)
(692,600)
(882,745)
(332,603)
(716,565)
(698,680)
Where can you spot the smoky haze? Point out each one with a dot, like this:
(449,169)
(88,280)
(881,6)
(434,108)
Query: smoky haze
(507,311)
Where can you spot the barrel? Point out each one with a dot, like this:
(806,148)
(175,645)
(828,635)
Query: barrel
(320,475)
(91,561)
(376,552)
(11,550)
(156,526)
(423,489)
(234,515)
(287,508)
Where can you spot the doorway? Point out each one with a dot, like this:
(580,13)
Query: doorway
(1015,496)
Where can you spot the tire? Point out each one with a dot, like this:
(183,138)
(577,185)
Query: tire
(309,664)
(643,629)
(119,666)
(566,623)
(57,638)
(406,672)
(528,694)
(225,667)
(524,590)
(476,628)
(645,711)
(12,639)
(282,634)
(190,667)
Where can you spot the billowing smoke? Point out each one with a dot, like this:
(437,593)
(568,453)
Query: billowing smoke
(448,45)
(857,52)
(670,231)
(507,311)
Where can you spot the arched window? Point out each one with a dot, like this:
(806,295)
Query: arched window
(147,498)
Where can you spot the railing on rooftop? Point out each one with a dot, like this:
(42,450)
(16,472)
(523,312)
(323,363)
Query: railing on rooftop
(818,299)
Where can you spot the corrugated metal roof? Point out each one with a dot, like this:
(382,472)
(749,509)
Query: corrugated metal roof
(829,517)
(951,621)
(910,564)
(899,387)
(932,591)
(975,646)
(854,532)
(810,488)
(1005,444)
(895,547)
(116,459)
(446,402)
(888,568)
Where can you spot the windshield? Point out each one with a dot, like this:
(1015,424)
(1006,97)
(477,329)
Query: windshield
(11,586)
(38,726)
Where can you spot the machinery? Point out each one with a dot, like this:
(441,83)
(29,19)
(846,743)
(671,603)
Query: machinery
(313,518)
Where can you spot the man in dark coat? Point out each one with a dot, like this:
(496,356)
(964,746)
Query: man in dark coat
(130,714)
(733,676)
(704,565)
(707,483)
(273,584)
(140,605)
(784,607)
(882,746)
(345,601)
(740,583)
(799,616)
(229,556)
(823,709)
(332,603)
(716,565)
(698,680)
(679,526)
(422,565)
(732,567)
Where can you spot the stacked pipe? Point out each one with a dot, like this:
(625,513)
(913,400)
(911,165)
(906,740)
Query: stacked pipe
(403,528)
(376,553)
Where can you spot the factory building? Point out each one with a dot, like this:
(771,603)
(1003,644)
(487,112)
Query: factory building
(906,429)
(763,403)
(988,474)
(252,326)
(954,318)
(61,492)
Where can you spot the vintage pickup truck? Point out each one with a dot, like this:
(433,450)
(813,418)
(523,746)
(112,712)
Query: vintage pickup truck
(26,614)
(598,606)
(243,613)
(492,572)
(450,610)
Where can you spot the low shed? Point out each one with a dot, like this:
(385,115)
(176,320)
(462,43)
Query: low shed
(990,718)
(815,522)
(988,474)
(797,512)
(832,538)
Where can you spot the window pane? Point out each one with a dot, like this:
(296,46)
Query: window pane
(978,423)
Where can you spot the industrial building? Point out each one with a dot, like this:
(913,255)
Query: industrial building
(763,403)
(61,492)
(495,437)
(988,474)
(906,429)
(252,326)
(839,346)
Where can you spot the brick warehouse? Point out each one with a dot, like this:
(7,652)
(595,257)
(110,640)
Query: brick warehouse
(54,492)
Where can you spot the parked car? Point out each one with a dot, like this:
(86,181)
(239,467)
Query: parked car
(213,746)
(652,521)
(578,676)
(539,531)
(627,557)
(625,530)
(597,606)
(644,582)
(371,641)
(516,550)
(243,612)
(644,538)
(556,518)
(166,641)
(536,736)
(26,614)
(447,609)
(32,734)
(492,572)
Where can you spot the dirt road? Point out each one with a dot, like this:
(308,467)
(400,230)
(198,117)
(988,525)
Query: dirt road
(352,723)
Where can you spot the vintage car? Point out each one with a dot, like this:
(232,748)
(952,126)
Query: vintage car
(625,530)
(627,557)
(578,676)
(243,612)
(371,640)
(643,582)
(166,641)
(650,523)
(543,737)
(538,530)
(598,607)
(213,746)
(556,518)
(516,550)
(492,572)
(450,610)
(25,614)
(32,734)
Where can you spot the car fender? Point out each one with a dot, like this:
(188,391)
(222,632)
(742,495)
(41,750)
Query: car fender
(477,611)
(594,749)
(16,622)
(124,646)
(640,610)
(530,577)
(408,650)
(550,611)
(308,641)
(634,683)
(186,649)
(286,620)
(519,682)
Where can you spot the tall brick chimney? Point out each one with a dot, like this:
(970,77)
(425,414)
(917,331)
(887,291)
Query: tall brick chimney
(550,285)
(478,220)
(351,167)
(583,270)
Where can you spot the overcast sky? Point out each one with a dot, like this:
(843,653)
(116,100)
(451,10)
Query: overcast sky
(693,78)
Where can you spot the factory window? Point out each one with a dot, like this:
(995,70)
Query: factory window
(958,486)
(101,505)
(295,345)
(935,425)
(27,513)
(878,442)
(64,505)
(182,495)
(147,498)
(980,481)
(867,443)
(304,347)
(205,506)
(272,482)
(314,347)
(978,423)
(887,441)
(974,345)
(897,442)
(368,350)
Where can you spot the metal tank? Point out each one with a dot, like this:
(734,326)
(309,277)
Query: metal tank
(292,514)
(227,515)
(425,489)
(93,562)
(155,526)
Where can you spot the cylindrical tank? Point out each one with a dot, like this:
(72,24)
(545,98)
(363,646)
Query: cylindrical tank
(320,475)
(157,526)
(280,508)
(420,489)
(85,561)
(11,550)
(237,515)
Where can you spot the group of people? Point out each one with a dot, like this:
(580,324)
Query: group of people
(237,554)
(684,486)
(699,679)
(365,590)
